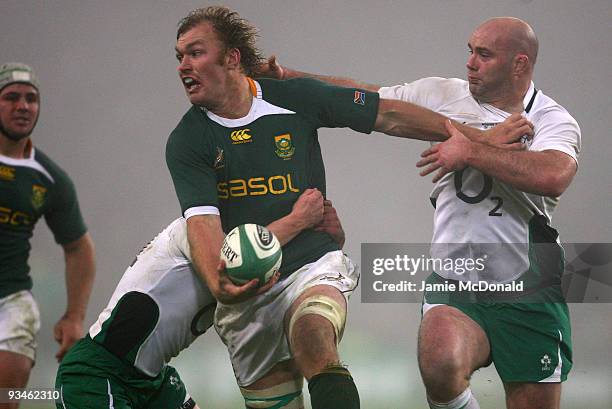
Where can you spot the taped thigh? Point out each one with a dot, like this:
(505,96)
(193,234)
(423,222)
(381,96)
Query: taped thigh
(324,306)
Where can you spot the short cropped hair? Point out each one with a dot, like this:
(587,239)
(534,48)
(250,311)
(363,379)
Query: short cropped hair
(233,31)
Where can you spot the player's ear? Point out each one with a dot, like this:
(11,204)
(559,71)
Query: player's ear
(521,64)
(232,58)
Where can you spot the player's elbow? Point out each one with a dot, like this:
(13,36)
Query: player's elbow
(394,122)
(407,120)
(554,178)
(554,183)
(385,120)
(83,244)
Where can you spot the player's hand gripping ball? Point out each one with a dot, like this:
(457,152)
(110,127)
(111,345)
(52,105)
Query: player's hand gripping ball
(251,251)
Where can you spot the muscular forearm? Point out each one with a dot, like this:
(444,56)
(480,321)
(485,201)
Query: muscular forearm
(397,118)
(80,271)
(205,237)
(406,120)
(286,228)
(546,173)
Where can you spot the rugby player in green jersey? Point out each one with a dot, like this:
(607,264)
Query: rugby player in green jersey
(244,152)
(529,343)
(32,186)
(158,309)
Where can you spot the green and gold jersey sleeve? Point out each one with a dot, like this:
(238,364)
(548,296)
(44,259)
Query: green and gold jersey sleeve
(327,106)
(63,216)
(189,159)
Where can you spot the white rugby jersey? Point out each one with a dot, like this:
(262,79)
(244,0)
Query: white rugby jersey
(159,307)
(472,208)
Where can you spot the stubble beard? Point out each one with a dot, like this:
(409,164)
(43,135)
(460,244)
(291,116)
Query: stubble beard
(16,136)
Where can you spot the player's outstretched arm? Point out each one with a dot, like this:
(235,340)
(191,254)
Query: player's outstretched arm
(406,120)
(79,256)
(545,173)
(272,69)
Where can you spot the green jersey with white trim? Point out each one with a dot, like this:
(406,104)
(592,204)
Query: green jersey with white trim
(476,213)
(31,188)
(254,168)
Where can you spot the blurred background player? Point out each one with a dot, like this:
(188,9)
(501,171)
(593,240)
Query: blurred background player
(243,153)
(159,308)
(492,194)
(31,186)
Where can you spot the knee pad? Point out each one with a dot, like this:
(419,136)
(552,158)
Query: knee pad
(324,306)
(287,395)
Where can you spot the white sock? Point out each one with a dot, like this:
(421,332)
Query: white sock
(465,400)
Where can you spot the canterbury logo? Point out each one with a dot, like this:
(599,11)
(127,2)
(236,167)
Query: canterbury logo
(7,173)
(241,136)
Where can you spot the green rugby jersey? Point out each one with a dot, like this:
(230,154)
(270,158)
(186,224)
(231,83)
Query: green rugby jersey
(31,188)
(254,168)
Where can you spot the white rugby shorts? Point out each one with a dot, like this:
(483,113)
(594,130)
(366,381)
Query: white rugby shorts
(19,323)
(253,330)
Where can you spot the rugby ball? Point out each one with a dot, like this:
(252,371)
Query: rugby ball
(251,251)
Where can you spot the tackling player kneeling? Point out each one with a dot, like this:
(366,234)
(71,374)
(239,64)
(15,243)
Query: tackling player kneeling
(158,309)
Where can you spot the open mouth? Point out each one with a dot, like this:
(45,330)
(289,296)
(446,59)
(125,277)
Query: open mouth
(190,84)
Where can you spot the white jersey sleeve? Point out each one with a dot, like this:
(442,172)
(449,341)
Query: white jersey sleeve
(555,128)
(433,92)
(159,307)
(178,243)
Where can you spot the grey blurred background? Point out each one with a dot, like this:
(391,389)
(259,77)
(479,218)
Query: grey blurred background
(111,95)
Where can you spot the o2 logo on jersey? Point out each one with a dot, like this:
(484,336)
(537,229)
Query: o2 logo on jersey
(258,186)
(241,136)
(487,188)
